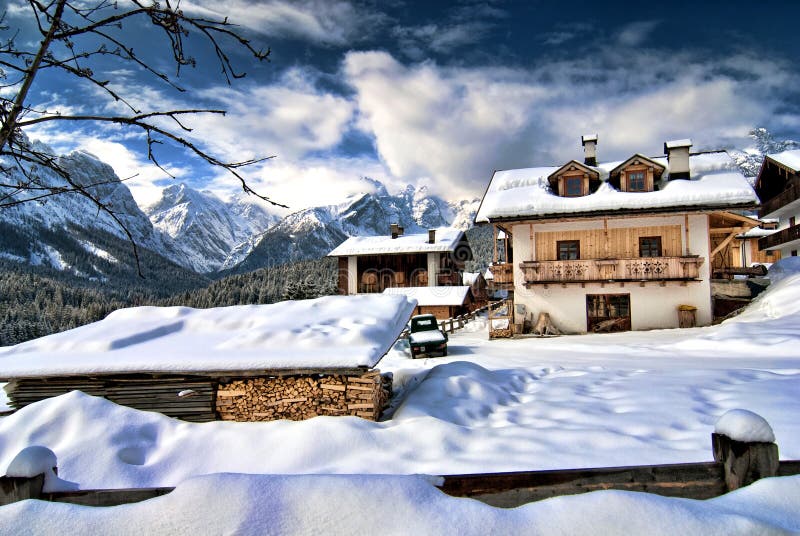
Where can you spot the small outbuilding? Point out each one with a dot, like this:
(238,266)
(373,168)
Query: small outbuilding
(442,302)
(289,360)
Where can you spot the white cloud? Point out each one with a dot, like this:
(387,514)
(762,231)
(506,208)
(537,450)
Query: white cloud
(311,181)
(141,176)
(291,119)
(636,33)
(330,22)
(456,125)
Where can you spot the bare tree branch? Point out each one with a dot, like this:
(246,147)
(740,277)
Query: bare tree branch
(73,33)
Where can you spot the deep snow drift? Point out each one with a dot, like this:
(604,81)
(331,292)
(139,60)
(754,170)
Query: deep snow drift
(576,401)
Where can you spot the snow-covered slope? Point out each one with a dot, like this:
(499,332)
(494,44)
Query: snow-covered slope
(58,229)
(204,229)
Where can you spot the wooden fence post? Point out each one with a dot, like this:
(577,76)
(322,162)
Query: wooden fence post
(452,330)
(745,459)
(13,489)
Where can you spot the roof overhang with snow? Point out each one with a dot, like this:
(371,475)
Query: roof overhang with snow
(330,333)
(446,239)
(432,296)
(522,194)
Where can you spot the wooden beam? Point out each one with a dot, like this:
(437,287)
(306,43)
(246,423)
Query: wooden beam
(738,217)
(721,246)
(726,230)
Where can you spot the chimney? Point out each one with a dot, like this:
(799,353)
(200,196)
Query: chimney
(589,142)
(431,236)
(677,152)
(396,230)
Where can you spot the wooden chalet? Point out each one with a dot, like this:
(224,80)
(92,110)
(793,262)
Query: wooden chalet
(371,264)
(778,187)
(442,302)
(616,246)
(290,360)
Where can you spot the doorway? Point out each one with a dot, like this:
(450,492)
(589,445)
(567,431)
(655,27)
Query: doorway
(607,313)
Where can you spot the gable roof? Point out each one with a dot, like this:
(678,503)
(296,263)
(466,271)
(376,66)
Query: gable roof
(788,159)
(447,239)
(324,333)
(430,296)
(637,156)
(574,163)
(716,183)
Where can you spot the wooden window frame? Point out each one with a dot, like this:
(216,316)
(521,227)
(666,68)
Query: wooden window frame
(657,240)
(576,244)
(643,174)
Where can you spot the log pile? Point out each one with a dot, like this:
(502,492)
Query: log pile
(303,397)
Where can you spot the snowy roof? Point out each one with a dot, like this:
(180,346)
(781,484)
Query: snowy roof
(333,332)
(469,278)
(674,144)
(588,137)
(716,182)
(447,239)
(430,296)
(790,159)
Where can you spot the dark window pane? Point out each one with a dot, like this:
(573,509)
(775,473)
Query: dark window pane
(568,250)
(650,246)
(636,181)
(573,186)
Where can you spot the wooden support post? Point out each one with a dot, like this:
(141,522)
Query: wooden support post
(13,489)
(452,329)
(744,463)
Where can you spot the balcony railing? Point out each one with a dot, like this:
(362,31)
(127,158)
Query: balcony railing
(791,193)
(600,270)
(781,237)
(502,275)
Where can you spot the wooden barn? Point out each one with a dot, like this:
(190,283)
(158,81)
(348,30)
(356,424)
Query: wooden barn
(371,264)
(443,302)
(290,360)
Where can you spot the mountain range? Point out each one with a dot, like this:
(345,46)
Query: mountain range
(189,232)
(194,231)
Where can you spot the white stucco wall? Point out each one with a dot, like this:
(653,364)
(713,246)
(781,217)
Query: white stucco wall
(652,306)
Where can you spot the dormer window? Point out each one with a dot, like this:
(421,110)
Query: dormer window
(574,180)
(573,186)
(637,174)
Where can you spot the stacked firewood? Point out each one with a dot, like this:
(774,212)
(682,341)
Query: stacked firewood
(303,397)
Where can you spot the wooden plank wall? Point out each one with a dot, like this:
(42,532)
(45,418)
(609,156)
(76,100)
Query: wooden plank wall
(622,243)
(184,397)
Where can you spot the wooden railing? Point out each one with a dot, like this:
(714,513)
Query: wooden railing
(791,193)
(781,237)
(502,275)
(637,269)
(736,464)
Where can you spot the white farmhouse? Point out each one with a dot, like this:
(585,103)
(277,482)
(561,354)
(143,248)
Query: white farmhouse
(619,245)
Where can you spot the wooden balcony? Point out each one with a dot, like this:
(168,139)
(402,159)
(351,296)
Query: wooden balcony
(611,270)
(781,237)
(503,276)
(789,194)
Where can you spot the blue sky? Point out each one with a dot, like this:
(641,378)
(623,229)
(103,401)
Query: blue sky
(443,93)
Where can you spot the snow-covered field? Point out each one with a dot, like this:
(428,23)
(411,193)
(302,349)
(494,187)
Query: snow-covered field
(579,401)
